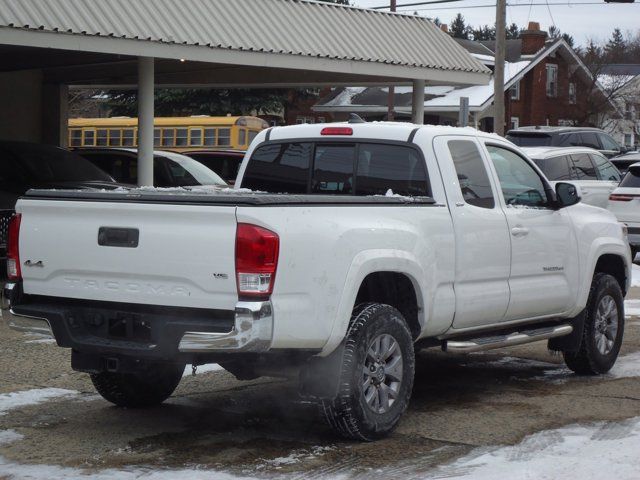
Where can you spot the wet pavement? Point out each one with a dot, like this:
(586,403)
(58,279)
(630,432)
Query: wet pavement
(216,425)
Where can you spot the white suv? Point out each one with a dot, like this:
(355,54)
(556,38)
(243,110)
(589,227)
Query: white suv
(586,167)
(624,203)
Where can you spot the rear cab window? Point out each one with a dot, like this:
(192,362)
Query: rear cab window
(359,168)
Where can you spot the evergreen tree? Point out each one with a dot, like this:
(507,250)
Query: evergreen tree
(512,31)
(458,27)
(555,33)
(483,33)
(615,48)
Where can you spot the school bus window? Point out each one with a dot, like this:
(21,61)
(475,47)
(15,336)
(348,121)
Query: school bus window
(128,135)
(101,137)
(242,136)
(75,137)
(168,137)
(224,137)
(115,137)
(182,137)
(157,133)
(89,138)
(252,134)
(209,137)
(195,137)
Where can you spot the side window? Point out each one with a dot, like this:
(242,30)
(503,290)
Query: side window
(590,139)
(556,168)
(520,183)
(279,168)
(333,169)
(390,167)
(582,167)
(568,140)
(608,143)
(472,174)
(605,169)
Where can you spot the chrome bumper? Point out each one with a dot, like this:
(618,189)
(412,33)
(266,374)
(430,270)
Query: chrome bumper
(252,332)
(22,323)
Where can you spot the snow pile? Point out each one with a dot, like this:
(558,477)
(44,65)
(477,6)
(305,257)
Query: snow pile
(598,451)
(9,401)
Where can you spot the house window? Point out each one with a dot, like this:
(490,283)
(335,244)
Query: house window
(515,122)
(515,91)
(552,80)
(300,120)
(572,93)
(628,139)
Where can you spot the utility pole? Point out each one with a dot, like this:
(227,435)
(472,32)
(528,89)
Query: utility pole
(498,72)
(392,90)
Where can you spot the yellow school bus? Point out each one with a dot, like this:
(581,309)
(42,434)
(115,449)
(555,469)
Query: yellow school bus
(180,134)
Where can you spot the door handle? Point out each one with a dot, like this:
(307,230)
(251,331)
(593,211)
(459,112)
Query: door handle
(519,231)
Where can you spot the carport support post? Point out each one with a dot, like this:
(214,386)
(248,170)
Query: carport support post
(417,104)
(145,120)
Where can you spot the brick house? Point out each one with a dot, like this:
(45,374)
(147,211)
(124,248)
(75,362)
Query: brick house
(546,83)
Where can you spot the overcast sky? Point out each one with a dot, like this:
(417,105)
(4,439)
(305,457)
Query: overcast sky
(581,21)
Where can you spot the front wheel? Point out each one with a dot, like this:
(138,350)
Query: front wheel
(603,328)
(376,375)
(146,388)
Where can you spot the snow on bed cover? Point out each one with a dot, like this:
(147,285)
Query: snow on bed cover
(9,401)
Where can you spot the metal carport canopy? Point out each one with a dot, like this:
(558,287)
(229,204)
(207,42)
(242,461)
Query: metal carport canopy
(266,43)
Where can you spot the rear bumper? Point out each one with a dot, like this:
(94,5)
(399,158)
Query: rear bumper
(141,331)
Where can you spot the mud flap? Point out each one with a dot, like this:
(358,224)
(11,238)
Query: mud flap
(319,379)
(571,342)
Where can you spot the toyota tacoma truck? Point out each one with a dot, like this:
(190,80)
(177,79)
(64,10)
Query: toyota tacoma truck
(343,249)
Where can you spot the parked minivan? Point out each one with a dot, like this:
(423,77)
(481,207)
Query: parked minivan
(588,168)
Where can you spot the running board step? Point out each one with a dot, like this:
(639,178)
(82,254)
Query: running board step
(501,341)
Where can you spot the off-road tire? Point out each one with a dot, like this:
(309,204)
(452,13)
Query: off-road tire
(588,360)
(145,389)
(348,413)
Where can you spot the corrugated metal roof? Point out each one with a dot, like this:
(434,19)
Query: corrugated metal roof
(294,27)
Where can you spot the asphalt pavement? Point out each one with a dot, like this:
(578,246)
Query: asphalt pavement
(54,425)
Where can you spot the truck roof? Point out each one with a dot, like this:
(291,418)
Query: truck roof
(396,131)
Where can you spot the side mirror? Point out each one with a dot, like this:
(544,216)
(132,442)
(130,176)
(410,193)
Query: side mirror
(567,194)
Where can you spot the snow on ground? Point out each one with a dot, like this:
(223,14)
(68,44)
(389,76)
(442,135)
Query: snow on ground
(598,451)
(212,367)
(9,436)
(632,308)
(627,366)
(9,401)
(296,457)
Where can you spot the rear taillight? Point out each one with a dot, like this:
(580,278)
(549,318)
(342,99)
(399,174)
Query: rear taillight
(616,197)
(256,260)
(13,250)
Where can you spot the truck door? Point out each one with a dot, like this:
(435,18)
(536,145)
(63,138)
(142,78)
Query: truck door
(482,243)
(544,249)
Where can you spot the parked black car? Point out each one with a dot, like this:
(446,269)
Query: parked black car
(169,169)
(623,162)
(566,137)
(30,165)
(225,163)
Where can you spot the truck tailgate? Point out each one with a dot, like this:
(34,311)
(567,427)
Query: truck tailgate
(184,254)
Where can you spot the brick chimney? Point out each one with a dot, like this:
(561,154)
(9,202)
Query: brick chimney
(532,39)
(444,27)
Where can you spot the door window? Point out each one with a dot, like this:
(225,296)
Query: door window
(590,139)
(472,174)
(582,167)
(605,169)
(520,183)
(608,143)
(556,168)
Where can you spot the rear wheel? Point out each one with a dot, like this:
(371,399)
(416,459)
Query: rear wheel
(603,328)
(147,388)
(376,376)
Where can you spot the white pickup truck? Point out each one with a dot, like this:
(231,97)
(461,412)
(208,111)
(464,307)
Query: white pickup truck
(344,249)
